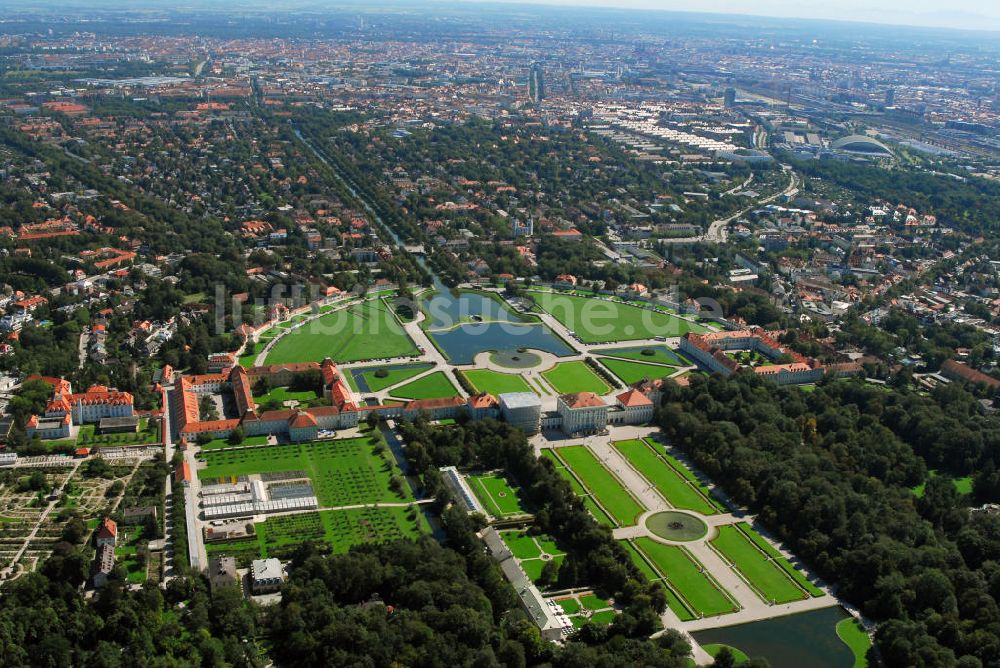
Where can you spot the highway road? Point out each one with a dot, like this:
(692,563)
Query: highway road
(719,229)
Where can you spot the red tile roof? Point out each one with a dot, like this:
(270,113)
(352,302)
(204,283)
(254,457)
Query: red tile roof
(107,529)
(302,420)
(955,369)
(633,399)
(582,400)
(431,404)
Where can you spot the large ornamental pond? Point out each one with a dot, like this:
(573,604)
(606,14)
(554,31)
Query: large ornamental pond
(468,323)
(463,343)
(446,309)
(805,639)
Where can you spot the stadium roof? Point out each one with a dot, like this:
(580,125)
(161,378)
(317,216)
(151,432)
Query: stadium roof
(861,144)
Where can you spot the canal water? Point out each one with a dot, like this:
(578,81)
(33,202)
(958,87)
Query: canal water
(468,323)
(805,640)
(445,309)
(463,343)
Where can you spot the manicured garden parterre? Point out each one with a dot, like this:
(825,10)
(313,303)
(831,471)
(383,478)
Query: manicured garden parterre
(630,372)
(343,472)
(599,320)
(432,386)
(380,378)
(282,394)
(607,490)
(583,608)
(359,332)
(779,559)
(672,486)
(496,495)
(654,354)
(88,436)
(495,382)
(677,568)
(770,581)
(532,551)
(575,376)
(218,443)
(588,499)
(280,535)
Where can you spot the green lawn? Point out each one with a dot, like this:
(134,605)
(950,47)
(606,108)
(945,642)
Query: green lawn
(588,501)
(88,436)
(521,544)
(603,617)
(962,485)
(283,394)
(583,608)
(854,636)
(659,355)
(576,376)
(738,654)
(767,577)
(600,320)
(393,376)
(431,386)
(607,490)
(360,332)
(126,553)
(569,605)
(678,492)
(688,475)
(343,472)
(247,359)
(687,577)
(494,382)
(593,602)
(496,495)
(630,372)
(217,443)
(779,559)
(532,552)
(280,535)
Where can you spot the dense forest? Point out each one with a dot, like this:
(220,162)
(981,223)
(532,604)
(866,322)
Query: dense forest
(45,621)
(593,558)
(831,473)
(424,604)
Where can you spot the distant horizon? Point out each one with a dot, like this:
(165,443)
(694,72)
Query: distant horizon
(966,15)
(960,15)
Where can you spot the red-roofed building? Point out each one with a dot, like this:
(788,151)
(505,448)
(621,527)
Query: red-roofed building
(302,426)
(182,476)
(66,408)
(582,413)
(572,234)
(439,409)
(221,362)
(634,407)
(107,533)
(958,371)
(709,351)
(483,405)
(30,304)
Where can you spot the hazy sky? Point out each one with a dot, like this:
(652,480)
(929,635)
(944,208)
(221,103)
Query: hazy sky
(970,14)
